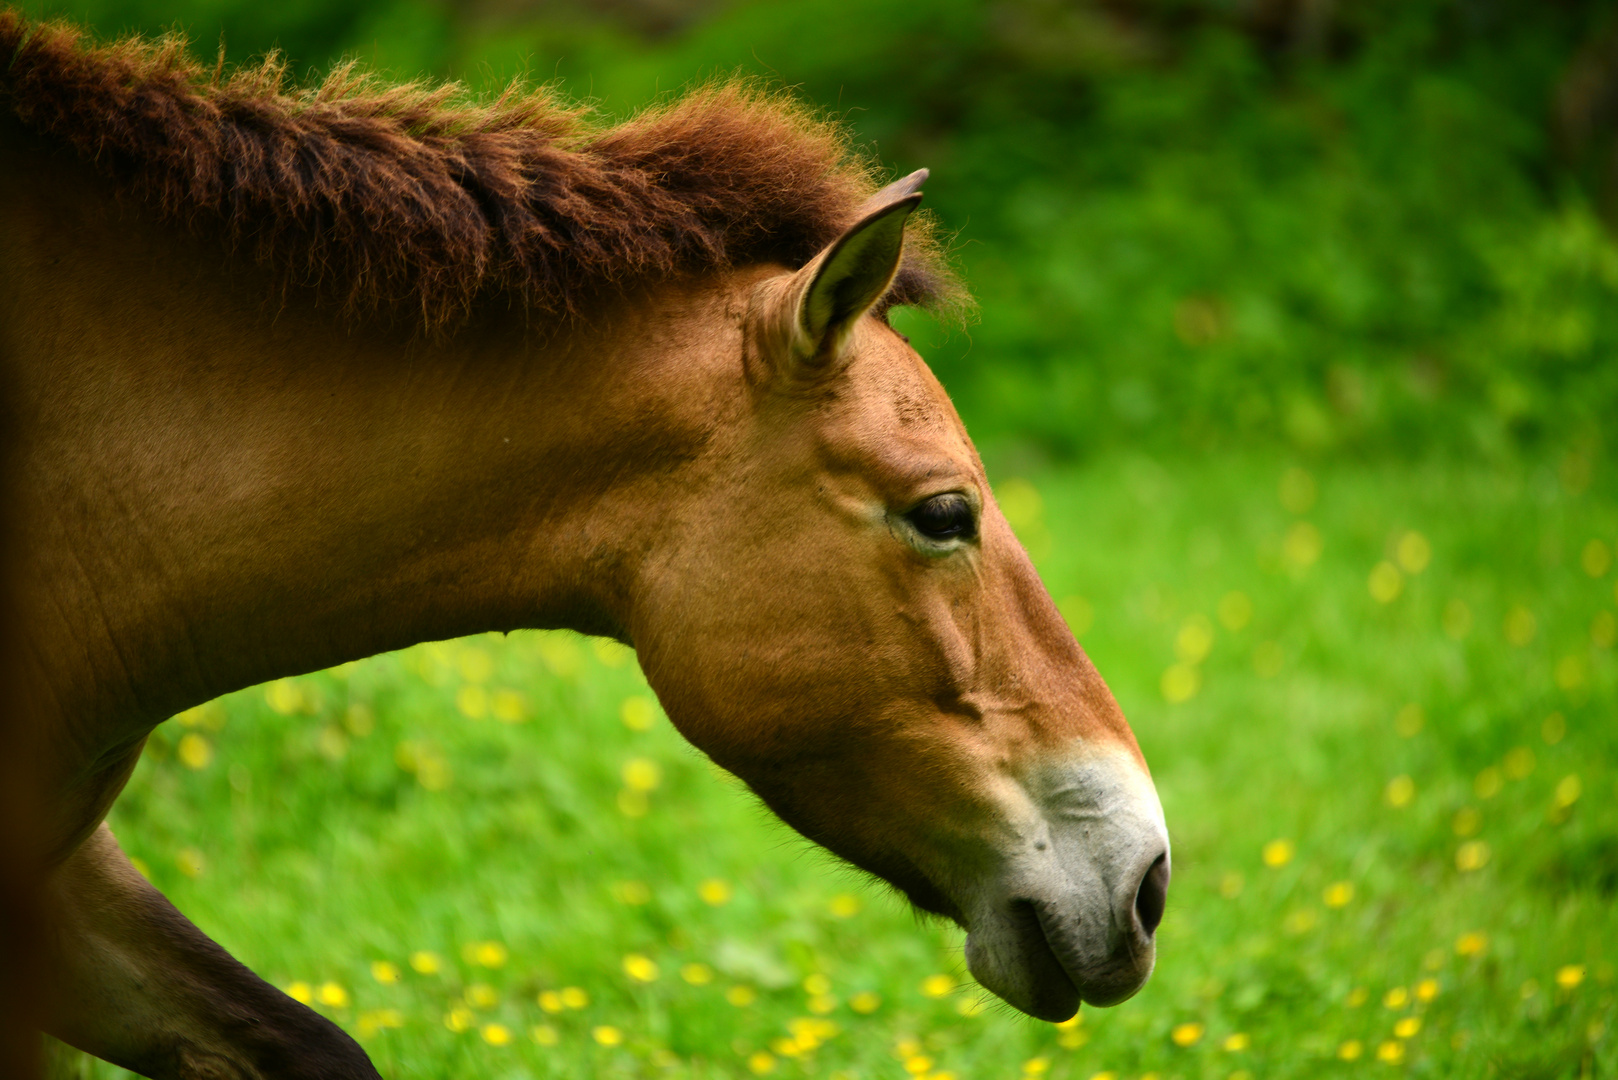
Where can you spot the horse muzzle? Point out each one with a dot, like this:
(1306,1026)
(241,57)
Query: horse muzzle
(1072,913)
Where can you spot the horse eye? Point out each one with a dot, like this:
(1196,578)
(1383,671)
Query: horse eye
(945,517)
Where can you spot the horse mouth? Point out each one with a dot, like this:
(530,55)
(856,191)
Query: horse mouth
(1021,965)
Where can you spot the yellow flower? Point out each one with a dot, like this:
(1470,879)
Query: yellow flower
(1414,552)
(1300,921)
(1036,1066)
(741,996)
(715,891)
(574,997)
(633,893)
(1569,976)
(301,992)
(489,954)
(1401,789)
(1568,790)
(697,974)
(821,1004)
(544,1035)
(1385,582)
(970,1006)
(550,1001)
(476,665)
(845,905)
(637,713)
(1397,998)
(384,972)
(482,996)
(334,995)
(1180,683)
(1391,1052)
(1472,855)
(508,706)
(937,986)
(1239,1041)
(1471,943)
(459,1019)
(865,1003)
(1357,997)
(1350,1050)
(607,1035)
(1107,1075)
(1427,989)
(472,702)
(1338,894)
(642,774)
(284,696)
(194,751)
(640,968)
(1279,852)
(370,1023)
(1407,1026)
(761,1062)
(425,963)
(1186,1034)
(1195,640)
(816,984)
(496,1034)
(918,1064)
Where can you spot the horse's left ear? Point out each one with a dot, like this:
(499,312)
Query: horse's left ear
(821,303)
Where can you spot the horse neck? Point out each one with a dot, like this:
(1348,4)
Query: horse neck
(220,492)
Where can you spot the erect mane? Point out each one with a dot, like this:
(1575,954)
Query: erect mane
(420,197)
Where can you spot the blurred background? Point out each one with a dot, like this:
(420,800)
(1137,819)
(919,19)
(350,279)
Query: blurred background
(1296,370)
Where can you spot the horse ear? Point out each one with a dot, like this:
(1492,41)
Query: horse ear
(822,302)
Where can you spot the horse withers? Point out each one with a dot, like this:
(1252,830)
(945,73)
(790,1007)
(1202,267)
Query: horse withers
(304,376)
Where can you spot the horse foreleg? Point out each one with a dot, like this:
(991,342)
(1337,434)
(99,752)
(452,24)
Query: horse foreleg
(136,984)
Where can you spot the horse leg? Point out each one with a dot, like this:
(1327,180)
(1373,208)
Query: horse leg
(138,985)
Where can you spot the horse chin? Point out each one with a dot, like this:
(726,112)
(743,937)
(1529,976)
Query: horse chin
(1012,957)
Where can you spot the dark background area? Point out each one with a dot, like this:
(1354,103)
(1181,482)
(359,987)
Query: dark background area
(1365,229)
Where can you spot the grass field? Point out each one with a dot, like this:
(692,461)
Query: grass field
(1379,703)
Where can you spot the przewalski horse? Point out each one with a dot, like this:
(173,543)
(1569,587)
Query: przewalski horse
(307,375)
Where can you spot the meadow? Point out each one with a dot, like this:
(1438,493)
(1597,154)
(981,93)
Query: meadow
(1378,701)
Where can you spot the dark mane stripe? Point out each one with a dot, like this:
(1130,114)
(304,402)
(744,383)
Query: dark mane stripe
(417,198)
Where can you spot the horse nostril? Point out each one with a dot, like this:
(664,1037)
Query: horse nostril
(1153,894)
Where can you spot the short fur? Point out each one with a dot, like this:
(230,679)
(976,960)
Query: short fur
(417,198)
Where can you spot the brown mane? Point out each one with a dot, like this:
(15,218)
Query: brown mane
(418,197)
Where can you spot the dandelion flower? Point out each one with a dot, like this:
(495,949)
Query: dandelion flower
(1237,1042)
(496,1034)
(637,713)
(334,995)
(1391,1052)
(761,1062)
(1278,853)
(301,992)
(715,891)
(973,1006)
(642,774)
(865,1003)
(937,986)
(384,972)
(1400,791)
(1471,943)
(817,984)
(741,996)
(1350,1050)
(459,1019)
(697,974)
(1186,1034)
(607,1035)
(1407,1026)
(574,997)
(1472,855)
(544,1035)
(489,954)
(482,996)
(194,751)
(640,968)
(918,1064)
(1427,989)
(1396,998)
(1569,976)
(1338,894)
(844,905)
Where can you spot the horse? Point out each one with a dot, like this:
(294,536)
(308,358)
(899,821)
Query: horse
(305,374)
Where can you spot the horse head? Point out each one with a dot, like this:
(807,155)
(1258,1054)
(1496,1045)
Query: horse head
(841,616)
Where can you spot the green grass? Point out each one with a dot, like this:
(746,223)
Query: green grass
(314,852)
